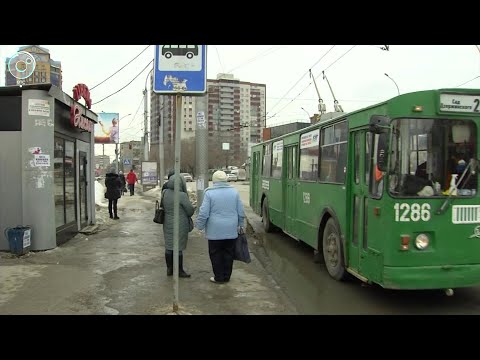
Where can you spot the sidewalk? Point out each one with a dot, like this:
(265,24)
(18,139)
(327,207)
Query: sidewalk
(121,270)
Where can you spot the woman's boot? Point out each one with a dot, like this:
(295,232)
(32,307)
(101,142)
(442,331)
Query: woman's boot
(181,272)
(169,261)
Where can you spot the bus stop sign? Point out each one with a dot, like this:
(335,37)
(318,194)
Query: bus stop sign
(180,69)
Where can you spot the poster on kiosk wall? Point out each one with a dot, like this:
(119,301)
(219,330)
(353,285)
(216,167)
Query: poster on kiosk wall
(107,129)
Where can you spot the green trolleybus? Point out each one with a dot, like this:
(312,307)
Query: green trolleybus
(388,193)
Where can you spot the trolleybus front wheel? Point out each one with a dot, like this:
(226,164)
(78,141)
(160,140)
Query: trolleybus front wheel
(267,225)
(333,251)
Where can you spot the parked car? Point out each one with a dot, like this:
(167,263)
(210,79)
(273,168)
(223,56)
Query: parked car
(241,174)
(232,177)
(187,177)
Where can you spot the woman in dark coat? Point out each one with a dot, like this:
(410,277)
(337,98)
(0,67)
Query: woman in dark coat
(114,187)
(185,212)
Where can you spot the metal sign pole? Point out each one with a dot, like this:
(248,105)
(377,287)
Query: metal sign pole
(201,144)
(176,204)
(179,70)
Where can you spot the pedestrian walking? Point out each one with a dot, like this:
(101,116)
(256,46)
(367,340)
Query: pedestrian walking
(114,188)
(185,212)
(131,180)
(221,215)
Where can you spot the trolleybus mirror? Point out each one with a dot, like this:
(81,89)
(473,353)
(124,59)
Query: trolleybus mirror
(379,123)
(382,149)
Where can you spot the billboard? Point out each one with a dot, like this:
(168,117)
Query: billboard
(149,173)
(106,131)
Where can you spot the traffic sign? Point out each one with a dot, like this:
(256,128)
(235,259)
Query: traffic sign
(180,69)
(127,162)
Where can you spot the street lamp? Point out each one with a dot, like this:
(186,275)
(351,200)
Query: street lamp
(309,117)
(393,82)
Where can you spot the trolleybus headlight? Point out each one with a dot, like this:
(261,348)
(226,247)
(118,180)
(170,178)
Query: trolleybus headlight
(422,241)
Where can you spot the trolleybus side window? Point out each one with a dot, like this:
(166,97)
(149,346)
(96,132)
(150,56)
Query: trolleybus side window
(267,159)
(333,160)
(309,153)
(277,155)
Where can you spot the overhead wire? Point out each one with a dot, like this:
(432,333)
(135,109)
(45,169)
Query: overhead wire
(301,92)
(219,60)
(260,55)
(311,67)
(116,72)
(466,82)
(140,73)
(134,116)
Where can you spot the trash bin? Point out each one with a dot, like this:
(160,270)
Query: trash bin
(19,239)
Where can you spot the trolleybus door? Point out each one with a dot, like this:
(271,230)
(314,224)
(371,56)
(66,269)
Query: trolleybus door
(290,208)
(254,181)
(359,164)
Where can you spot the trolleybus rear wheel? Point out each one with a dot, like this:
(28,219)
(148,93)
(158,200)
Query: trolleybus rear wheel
(333,251)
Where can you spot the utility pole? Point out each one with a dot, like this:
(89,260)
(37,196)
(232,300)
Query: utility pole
(145,124)
(201,148)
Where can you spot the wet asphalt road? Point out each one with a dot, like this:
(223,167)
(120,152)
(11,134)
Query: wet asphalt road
(313,291)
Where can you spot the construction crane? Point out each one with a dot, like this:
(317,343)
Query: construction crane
(321,106)
(336,105)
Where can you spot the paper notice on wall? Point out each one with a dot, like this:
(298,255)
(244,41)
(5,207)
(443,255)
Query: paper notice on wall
(200,184)
(42,160)
(38,107)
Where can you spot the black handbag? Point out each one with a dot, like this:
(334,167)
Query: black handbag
(241,248)
(159,217)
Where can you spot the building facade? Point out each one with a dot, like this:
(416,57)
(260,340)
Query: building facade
(102,164)
(236,116)
(131,156)
(46,157)
(47,70)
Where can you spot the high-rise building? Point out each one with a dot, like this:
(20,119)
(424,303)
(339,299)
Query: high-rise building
(236,116)
(47,70)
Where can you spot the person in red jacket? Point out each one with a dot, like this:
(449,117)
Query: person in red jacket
(131,180)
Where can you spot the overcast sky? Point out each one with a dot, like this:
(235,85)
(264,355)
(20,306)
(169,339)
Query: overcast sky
(356,74)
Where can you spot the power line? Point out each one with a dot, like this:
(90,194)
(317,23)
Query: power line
(300,93)
(260,55)
(121,68)
(134,116)
(466,82)
(125,85)
(314,99)
(311,67)
(219,60)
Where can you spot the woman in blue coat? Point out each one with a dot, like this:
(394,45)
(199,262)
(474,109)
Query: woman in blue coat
(220,215)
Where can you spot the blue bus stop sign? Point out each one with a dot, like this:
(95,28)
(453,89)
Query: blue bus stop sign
(180,69)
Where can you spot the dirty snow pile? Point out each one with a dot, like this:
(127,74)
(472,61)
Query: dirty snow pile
(100,194)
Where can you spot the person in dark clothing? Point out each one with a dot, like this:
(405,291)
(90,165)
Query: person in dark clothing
(185,212)
(170,173)
(114,188)
(124,183)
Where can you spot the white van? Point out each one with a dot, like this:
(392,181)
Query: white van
(241,174)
